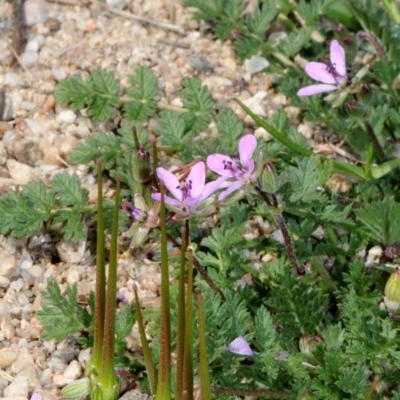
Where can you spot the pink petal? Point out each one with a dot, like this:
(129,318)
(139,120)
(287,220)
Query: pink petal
(171,182)
(240,346)
(216,163)
(211,187)
(320,72)
(235,186)
(315,89)
(338,58)
(247,145)
(167,200)
(197,176)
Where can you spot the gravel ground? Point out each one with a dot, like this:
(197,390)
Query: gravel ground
(64,38)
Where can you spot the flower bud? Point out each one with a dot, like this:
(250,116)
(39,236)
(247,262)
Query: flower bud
(361,73)
(392,292)
(365,92)
(268,179)
(141,167)
(76,390)
(355,108)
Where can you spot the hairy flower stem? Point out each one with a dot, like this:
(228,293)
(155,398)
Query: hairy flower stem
(108,382)
(188,352)
(201,271)
(203,363)
(164,372)
(268,394)
(372,388)
(151,371)
(375,142)
(284,229)
(95,361)
(135,138)
(181,319)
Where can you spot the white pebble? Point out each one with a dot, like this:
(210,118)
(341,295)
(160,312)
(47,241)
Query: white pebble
(4,282)
(18,387)
(23,360)
(12,80)
(261,132)
(21,172)
(29,58)
(255,64)
(17,285)
(7,262)
(73,277)
(67,116)
(36,271)
(36,12)
(59,73)
(7,357)
(32,45)
(73,371)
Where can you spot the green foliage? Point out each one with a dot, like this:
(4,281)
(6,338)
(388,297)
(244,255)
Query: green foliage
(26,211)
(142,91)
(98,92)
(199,103)
(171,128)
(381,220)
(60,315)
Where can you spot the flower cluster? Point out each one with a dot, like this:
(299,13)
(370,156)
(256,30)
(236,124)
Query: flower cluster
(334,77)
(190,195)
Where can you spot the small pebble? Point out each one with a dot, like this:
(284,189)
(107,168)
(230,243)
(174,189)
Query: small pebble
(7,357)
(29,58)
(255,64)
(18,387)
(7,328)
(21,172)
(67,116)
(73,371)
(22,361)
(36,12)
(7,262)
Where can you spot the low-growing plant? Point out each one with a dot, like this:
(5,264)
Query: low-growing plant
(289,304)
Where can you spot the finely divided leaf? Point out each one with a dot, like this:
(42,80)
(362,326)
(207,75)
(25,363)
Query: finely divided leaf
(142,92)
(75,91)
(69,190)
(381,219)
(24,212)
(199,103)
(60,315)
(171,128)
(106,90)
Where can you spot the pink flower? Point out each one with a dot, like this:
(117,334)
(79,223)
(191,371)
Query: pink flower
(240,173)
(332,75)
(240,346)
(192,196)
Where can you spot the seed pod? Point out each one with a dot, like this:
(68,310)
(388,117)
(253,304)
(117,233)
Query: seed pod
(392,291)
(76,390)
(141,167)
(268,179)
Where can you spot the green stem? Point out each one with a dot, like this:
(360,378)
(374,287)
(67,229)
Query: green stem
(151,371)
(100,277)
(188,356)
(204,375)
(181,320)
(164,372)
(323,274)
(108,381)
(374,140)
